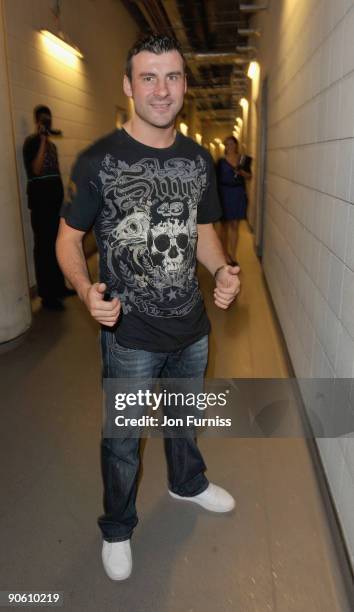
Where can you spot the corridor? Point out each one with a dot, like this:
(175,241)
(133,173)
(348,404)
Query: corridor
(274,553)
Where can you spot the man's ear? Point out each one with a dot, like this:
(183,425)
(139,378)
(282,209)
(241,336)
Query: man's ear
(127,87)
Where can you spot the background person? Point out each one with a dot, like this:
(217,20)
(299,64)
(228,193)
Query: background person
(45,196)
(233,196)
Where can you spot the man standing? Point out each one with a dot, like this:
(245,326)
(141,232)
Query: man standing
(45,197)
(151,195)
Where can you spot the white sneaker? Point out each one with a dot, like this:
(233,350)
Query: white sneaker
(117,559)
(214,498)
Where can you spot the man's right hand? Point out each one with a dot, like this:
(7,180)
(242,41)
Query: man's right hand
(106,313)
(42,132)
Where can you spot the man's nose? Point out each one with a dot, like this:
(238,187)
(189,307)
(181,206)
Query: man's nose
(161,88)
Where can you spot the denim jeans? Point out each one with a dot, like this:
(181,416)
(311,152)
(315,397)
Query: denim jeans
(120,457)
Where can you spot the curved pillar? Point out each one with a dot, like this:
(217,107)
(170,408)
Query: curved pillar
(15,310)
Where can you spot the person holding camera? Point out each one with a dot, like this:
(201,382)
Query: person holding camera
(45,196)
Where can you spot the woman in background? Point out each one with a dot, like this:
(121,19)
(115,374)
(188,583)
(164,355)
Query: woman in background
(232,190)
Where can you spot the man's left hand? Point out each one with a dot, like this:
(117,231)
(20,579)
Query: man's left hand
(227,286)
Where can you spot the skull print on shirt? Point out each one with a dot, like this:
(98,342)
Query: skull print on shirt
(149,232)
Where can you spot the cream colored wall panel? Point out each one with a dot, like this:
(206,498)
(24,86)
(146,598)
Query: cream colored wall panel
(335,285)
(306,51)
(45,85)
(83,99)
(29,50)
(339,234)
(348,43)
(331,335)
(345,160)
(349,251)
(345,354)
(345,114)
(348,301)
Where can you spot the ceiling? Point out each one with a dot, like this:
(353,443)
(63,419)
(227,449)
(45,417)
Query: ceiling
(216,41)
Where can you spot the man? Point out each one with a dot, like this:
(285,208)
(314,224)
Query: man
(45,197)
(151,194)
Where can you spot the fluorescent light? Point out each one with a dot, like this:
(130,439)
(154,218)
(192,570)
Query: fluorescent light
(184,128)
(253,70)
(59,46)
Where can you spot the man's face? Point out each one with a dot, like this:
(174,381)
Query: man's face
(157,87)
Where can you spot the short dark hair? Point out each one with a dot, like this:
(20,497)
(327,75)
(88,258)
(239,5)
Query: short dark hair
(41,110)
(231,138)
(154,43)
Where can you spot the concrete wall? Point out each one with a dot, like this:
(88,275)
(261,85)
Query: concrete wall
(307,52)
(83,96)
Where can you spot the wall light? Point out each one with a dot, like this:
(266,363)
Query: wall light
(239,121)
(218,141)
(198,138)
(183,128)
(253,70)
(59,47)
(244,103)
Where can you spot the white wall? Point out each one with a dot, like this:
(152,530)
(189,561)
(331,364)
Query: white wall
(83,96)
(307,51)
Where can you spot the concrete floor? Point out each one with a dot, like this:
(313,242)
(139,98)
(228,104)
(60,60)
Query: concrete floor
(274,553)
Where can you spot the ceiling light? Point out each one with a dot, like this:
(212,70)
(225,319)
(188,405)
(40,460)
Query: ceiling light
(253,70)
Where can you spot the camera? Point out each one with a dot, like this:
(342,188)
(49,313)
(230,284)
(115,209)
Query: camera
(45,122)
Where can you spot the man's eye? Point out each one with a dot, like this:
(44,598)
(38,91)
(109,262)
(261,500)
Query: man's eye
(148,79)
(173,77)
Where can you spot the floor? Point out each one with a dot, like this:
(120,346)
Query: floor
(274,553)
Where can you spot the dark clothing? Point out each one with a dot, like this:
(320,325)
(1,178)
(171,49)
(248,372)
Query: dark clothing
(145,203)
(120,459)
(45,196)
(232,191)
(50,166)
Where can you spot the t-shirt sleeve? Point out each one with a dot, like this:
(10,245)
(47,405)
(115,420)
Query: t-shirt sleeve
(209,209)
(84,200)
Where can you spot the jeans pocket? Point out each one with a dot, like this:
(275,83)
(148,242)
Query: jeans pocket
(118,349)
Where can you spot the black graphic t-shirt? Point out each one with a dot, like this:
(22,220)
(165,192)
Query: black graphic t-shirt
(144,204)
(50,166)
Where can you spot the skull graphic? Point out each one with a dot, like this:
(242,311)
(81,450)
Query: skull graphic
(169,246)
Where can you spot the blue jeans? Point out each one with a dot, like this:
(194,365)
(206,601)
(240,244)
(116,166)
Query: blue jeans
(120,457)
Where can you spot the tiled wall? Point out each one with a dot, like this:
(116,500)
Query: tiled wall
(307,53)
(82,97)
